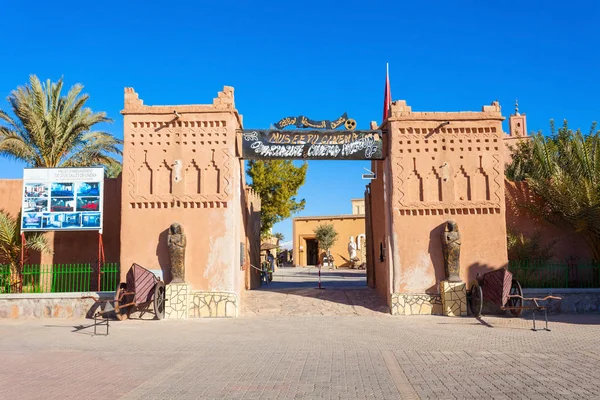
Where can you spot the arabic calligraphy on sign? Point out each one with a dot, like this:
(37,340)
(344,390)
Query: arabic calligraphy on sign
(350,145)
(304,122)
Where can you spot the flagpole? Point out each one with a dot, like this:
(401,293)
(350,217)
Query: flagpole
(387,74)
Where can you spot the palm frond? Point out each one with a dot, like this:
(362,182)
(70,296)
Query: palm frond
(57,129)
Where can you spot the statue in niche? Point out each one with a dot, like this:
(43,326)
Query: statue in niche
(176,242)
(451,249)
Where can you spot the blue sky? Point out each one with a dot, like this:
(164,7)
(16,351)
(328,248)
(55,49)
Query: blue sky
(314,58)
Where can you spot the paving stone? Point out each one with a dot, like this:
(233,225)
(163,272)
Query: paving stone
(342,355)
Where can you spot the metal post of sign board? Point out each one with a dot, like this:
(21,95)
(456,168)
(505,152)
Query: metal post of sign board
(100,259)
(320,278)
(23,244)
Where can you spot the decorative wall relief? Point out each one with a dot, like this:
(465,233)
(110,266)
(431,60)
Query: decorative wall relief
(177,165)
(433,186)
(203,174)
(414,183)
(211,184)
(462,185)
(163,180)
(481,185)
(192,179)
(144,179)
(453,171)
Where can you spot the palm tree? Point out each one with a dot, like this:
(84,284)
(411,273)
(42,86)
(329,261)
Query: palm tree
(113,171)
(565,173)
(51,130)
(11,249)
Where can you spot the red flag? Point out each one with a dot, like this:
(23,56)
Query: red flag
(387,96)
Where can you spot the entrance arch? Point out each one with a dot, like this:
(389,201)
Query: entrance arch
(199,151)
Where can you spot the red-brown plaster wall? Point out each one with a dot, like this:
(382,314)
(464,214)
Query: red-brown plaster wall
(379,229)
(564,242)
(180,165)
(441,172)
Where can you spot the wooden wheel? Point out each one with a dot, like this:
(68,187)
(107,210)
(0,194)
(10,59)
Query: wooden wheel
(122,313)
(515,289)
(476,299)
(159,300)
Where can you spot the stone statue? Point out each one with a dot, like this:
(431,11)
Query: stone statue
(352,249)
(177,243)
(451,248)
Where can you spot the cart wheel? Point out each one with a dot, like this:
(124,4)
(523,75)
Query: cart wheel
(159,300)
(476,299)
(122,313)
(515,288)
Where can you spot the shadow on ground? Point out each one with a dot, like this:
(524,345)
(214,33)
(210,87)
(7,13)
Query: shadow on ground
(294,291)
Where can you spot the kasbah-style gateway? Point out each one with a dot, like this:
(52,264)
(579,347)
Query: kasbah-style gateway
(184,164)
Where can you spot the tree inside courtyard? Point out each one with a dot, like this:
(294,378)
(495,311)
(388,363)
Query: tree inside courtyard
(326,235)
(277,183)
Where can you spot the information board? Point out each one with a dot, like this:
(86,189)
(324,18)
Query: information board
(61,199)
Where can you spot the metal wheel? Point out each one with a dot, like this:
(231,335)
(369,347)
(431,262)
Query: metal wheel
(159,300)
(515,289)
(122,313)
(476,299)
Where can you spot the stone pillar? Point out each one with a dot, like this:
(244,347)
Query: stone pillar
(454,298)
(177,300)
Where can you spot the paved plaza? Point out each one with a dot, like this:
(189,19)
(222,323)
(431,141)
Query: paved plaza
(358,353)
(294,291)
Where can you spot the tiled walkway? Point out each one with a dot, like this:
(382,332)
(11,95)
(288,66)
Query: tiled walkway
(304,343)
(294,291)
(303,357)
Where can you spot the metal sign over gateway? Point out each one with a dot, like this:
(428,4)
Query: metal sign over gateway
(259,144)
(323,142)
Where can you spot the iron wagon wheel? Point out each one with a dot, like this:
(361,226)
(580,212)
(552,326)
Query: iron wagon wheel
(515,289)
(122,313)
(159,299)
(476,299)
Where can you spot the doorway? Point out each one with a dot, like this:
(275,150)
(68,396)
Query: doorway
(312,252)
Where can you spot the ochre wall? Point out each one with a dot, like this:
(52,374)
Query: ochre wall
(252,243)
(180,165)
(346,226)
(441,172)
(380,227)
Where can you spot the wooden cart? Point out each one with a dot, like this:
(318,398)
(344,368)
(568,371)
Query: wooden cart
(500,288)
(141,287)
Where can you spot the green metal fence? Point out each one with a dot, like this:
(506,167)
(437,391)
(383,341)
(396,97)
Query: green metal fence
(110,277)
(556,274)
(59,278)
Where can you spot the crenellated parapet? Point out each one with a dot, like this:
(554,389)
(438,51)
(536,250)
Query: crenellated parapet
(447,162)
(179,156)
